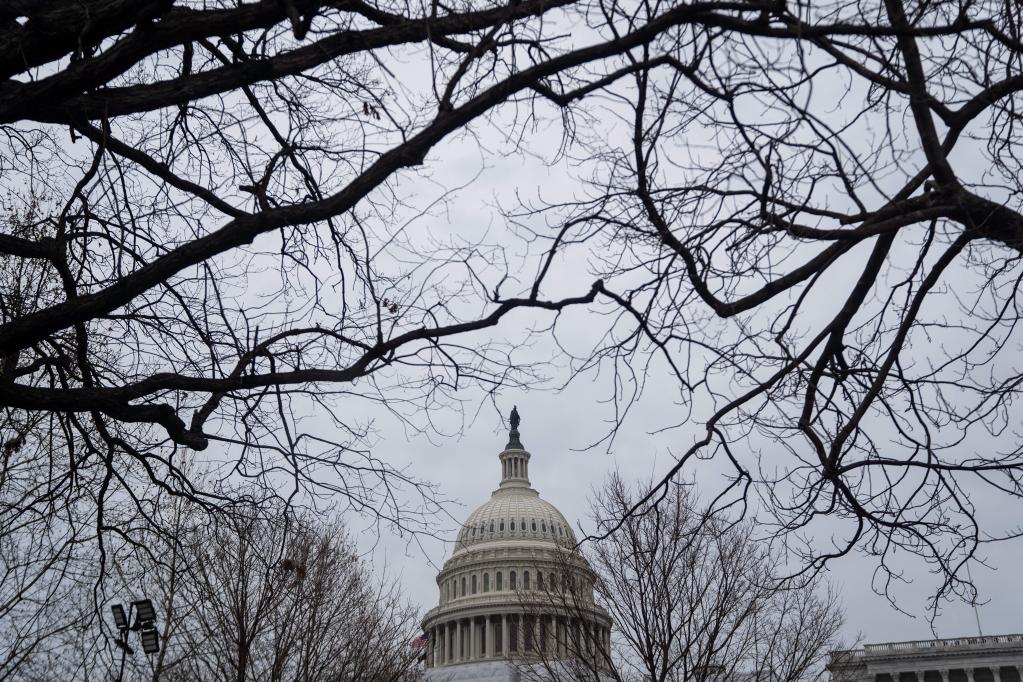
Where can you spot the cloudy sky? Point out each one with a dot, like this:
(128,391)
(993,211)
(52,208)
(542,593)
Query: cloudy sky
(558,425)
(555,426)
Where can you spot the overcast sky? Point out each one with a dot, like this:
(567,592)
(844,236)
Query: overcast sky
(558,425)
(554,426)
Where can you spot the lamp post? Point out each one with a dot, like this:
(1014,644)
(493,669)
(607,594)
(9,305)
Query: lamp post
(144,623)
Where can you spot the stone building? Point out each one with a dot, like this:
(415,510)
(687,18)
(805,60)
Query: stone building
(996,658)
(497,618)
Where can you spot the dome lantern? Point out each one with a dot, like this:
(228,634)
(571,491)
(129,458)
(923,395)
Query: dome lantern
(514,458)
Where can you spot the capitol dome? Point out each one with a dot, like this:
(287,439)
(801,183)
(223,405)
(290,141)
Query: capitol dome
(515,514)
(516,591)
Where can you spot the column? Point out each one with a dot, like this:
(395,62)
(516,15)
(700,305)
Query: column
(458,640)
(944,675)
(996,672)
(474,649)
(969,674)
(491,638)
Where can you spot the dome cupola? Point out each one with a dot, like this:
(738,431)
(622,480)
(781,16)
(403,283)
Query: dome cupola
(495,607)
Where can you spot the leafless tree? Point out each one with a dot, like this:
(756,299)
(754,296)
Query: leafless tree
(217,242)
(260,600)
(808,212)
(42,574)
(691,598)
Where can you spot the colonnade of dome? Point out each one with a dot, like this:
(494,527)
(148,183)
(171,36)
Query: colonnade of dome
(515,588)
(515,636)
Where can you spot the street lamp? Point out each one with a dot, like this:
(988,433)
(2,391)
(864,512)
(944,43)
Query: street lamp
(144,624)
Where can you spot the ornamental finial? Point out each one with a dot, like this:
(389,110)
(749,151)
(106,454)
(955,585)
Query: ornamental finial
(513,436)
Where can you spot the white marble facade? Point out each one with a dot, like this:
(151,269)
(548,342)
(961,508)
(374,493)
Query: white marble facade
(997,658)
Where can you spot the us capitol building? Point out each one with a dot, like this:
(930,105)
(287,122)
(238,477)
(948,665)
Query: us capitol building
(516,596)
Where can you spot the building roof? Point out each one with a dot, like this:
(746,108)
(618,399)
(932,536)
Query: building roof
(513,515)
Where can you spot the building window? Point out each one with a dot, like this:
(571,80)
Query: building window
(511,580)
(499,586)
(474,584)
(501,527)
(463,587)
(543,526)
(486,582)
(539,580)
(525,580)
(534,525)
(513,524)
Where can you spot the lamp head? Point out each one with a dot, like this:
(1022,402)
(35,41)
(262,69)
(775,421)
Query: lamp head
(144,612)
(120,618)
(150,640)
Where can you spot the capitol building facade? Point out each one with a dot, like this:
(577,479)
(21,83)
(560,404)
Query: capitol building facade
(516,596)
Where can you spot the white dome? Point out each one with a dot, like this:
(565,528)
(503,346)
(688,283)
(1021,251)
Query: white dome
(515,514)
(510,591)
